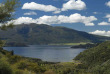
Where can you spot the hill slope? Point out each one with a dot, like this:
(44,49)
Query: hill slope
(45,34)
(96,59)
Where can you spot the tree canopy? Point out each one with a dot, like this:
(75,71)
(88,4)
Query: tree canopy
(7,8)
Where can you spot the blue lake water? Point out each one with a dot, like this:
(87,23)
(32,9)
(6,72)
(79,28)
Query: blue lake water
(47,52)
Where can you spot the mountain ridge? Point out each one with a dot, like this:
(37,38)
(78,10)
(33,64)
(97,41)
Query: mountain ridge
(45,34)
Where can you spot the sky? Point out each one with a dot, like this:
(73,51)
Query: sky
(92,16)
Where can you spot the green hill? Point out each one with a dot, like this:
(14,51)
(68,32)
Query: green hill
(97,59)
(45,34)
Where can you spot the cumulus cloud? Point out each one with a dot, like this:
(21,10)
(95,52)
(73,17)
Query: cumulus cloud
(48,20)
(30,13)
(70,5)
(107,16)
(101,32)
(103,23)
(107,3)
(41,7)
(25,20)
(74,4)
(73,18)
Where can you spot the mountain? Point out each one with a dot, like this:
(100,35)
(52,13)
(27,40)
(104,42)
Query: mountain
(45,34)
(96,59)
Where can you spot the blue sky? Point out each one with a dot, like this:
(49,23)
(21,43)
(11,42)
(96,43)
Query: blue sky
(83,15)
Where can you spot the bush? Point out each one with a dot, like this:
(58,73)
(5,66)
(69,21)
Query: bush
(35,67)
(5,67)
(22,64)
(13,59)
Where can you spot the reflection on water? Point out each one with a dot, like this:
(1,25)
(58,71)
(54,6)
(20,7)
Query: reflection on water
(47,52)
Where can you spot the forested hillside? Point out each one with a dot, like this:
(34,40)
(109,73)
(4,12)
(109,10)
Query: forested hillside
(97,59)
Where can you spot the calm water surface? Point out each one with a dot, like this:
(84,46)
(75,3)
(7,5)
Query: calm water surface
(47,52)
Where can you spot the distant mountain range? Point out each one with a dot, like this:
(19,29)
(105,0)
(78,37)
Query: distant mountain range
(45,34)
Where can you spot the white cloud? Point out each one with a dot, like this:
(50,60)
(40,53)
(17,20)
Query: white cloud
(107,3)
(41,7)
(108,19)
(73,18)
(30,13)
(103,23)
(101,32)
(48,20)
(70,5)
(25,20)
(107,16)
(74,4)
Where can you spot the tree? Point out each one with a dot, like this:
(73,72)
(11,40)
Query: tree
(7,8)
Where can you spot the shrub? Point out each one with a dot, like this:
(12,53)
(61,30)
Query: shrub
(22,64)
(5,67)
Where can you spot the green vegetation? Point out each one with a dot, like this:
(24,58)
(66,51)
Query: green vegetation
(15,44)
(86,46)
(7,7)
(69,43)
(45,34)
(2,43)
(97,59)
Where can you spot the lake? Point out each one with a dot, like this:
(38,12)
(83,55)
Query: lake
(51,53)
